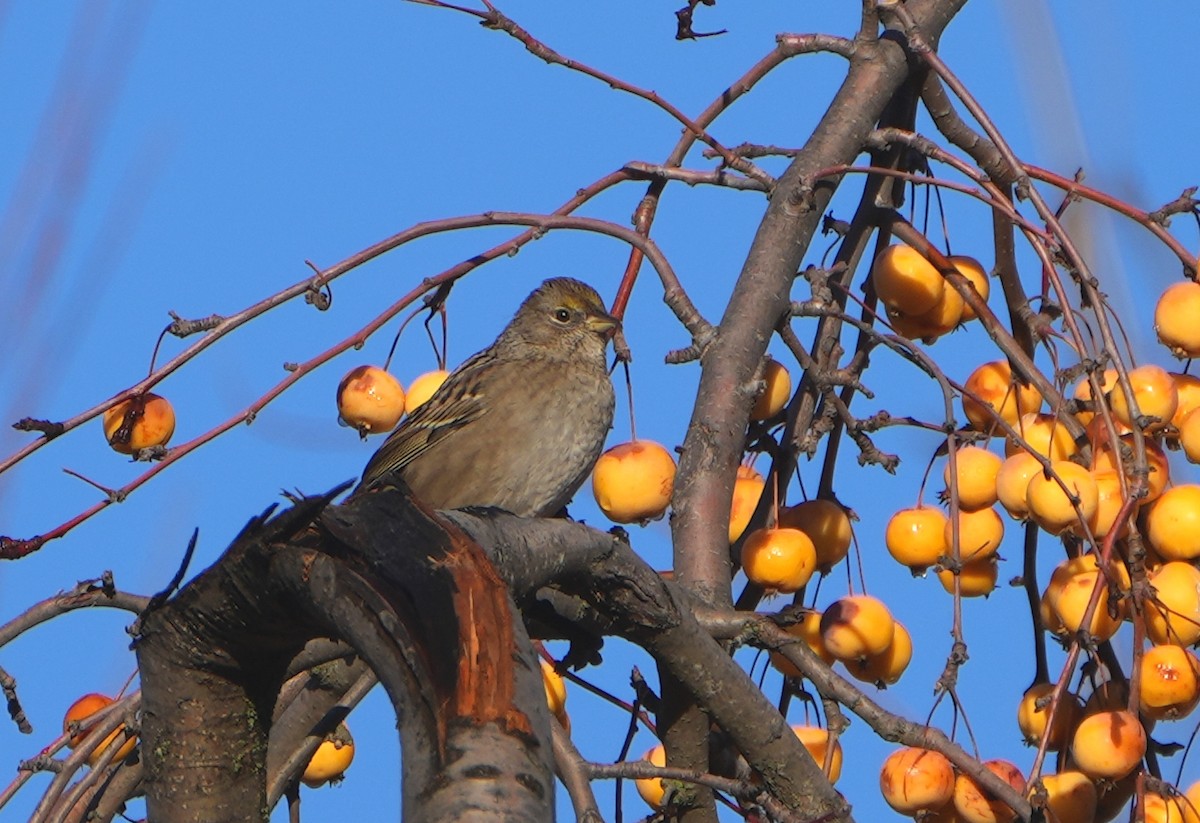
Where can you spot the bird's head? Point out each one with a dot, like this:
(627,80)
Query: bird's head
(562,315)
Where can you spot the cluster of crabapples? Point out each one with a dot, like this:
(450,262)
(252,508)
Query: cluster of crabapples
(327,764)
(1078,490)
(1074,489)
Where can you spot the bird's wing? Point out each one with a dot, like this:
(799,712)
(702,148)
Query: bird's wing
(456,403)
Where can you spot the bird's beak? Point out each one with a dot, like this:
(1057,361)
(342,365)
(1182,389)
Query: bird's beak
(602,323)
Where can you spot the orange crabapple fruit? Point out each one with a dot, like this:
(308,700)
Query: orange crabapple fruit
(1012,483)
(79,712)
(1105,459)
(779,560)
(747,489)
(1046,436)
(1175,319)
(1070,797)
(1173,523)
(632,481)
(140,422)
(976,578)
(1159,808)
(1108,745)
(942,319)
(1189,436)
(816,741)
(1154,391)
(976,471)
(996,393)
(885,668)
(370,400)
(916,537)
(1187,389)
(1033,720)
(827,526)
(916,780)
(1072,601)
(1191,804)
(857,626)
(972,269)
(422,388)
(977,805)
(1083,393)
(905,281)
(1052,507)
(1173,616)
(330,761)
(1109,499)
(652,789)
(555,686)
(808,629)
(775,394)
(979,534)
(1169,682)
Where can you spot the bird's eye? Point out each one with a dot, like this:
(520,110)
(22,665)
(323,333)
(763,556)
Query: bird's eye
(562,315)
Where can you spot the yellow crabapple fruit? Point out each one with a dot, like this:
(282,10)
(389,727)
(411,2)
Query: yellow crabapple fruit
(1070,797)
(1108,745)
(1033,721)
(916,537)
(943,318)
(1109,500)
(1189,436)
(555,686)
(79,712)
(140,422)
(827,526)
(1046,436)
(886,667)
(816,741)
(971,269)
(1083,393)
(905,281)
(976,578)
(979,534)
(1187,389)
(991,391)
(330,760)
(652,789)
(977,805)
(1173,616)
(808,629)
(1169,682)
(1052,507)
(632,481)
(747,489)
(976,473)
(423,387)
(1012,483)
(1173,523)
(916,780)
(857,626)
(1175,319)
(779,560)
(1154,391)
(1105,459)
(370,400)
(775,394)
(1159,808)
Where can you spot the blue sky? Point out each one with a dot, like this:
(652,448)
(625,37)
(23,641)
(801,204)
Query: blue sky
(200,156)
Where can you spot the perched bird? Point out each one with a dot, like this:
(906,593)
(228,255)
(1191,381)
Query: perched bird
(520,424)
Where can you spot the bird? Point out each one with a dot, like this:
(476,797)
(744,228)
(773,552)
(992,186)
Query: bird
(519,425)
